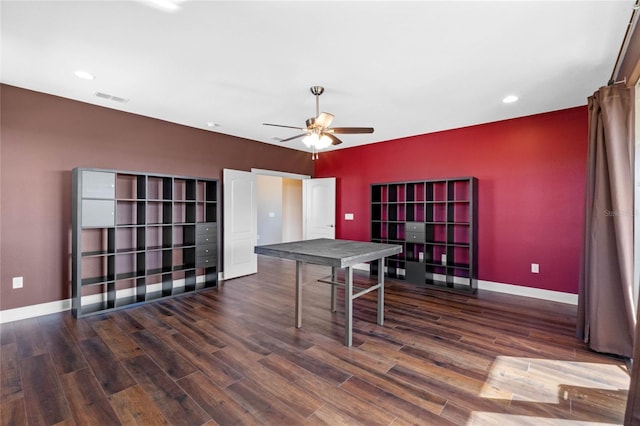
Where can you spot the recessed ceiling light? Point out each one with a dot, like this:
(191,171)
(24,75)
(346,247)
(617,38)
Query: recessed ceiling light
(212,124)
(84,75)
(510,99)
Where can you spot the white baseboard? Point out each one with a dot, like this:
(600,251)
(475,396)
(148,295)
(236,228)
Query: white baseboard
(537,293)
(517,290)
(31,311)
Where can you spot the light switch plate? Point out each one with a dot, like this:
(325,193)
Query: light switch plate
(535,268)
(348,216)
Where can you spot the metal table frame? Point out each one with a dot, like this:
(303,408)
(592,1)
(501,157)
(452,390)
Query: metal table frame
(339,254)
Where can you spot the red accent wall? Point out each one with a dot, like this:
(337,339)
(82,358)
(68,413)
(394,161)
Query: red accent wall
(531,173)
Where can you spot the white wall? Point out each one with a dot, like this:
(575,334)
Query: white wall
(269,209)
(279,209)
(291,210)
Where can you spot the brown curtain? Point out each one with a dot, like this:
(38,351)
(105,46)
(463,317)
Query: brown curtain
(606,314)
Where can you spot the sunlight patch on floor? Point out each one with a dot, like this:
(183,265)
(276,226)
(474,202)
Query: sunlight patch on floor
(549,381)
(479,418)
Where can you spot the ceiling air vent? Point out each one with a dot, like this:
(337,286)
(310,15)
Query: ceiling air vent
(111,97)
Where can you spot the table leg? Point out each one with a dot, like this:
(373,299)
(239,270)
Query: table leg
(381,291)
(298,294)
(334,299)
(348,306)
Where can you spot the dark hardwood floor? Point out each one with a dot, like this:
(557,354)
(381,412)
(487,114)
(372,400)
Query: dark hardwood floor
(232,356)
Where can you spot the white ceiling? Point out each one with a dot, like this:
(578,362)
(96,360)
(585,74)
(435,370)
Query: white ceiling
(404,68)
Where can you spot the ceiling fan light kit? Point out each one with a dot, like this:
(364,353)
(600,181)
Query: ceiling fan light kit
(317,133)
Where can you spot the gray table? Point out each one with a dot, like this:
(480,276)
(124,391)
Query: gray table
(338,254)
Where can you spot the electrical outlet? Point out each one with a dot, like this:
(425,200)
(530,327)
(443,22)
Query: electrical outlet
(348,216)
(535,268)
(17,282)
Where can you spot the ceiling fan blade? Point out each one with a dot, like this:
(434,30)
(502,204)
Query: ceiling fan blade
(281,125)
(324,120)
(349,130)
(334,140)
(294,137)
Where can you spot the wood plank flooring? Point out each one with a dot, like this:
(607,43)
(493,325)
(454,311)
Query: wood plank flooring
(231,356)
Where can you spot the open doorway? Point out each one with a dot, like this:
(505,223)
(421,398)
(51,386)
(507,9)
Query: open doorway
(279,206)
(279,209)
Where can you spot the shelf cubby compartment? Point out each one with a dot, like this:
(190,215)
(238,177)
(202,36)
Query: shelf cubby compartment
(460,212)
(459,257)
(127,239)
(98,241)
(211,191)
(415,191)
(126,212)
(436,275)
(439,191)
(157,237)
(379,194)
(154,188)
(184,212)
(184,235)
(376,212)
(97,269)
(397,212)
(436,233)
(459,233)
(397,193)
(395,231)
(200,211)
(158,261)
(125,292)
(461,190)
(211,212)
(184,258)
(415,212)
(126,187)
(414,252)
(184,189)
(130,265)
(376,230)
(438,213)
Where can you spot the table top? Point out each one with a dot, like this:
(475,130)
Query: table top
(325,251)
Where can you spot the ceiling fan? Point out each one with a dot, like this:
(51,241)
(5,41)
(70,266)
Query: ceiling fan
(318,135)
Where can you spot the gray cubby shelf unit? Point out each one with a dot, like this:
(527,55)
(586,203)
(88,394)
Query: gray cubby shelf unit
(436,222)
(138,237)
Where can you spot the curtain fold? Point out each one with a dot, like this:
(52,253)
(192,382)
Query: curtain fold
(606,314)
(632,413)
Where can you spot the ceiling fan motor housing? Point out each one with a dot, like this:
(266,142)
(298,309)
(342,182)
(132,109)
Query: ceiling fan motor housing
(317,90)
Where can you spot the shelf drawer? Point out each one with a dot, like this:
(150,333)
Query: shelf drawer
(206,250)
(206,239)
(98,184)
(206,228)
(416,237)
(206,261)
(417,227)
(98,213)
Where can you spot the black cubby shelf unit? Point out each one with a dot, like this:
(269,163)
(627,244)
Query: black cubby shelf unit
(436,222)
(138,237)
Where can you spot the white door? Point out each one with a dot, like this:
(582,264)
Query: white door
(319,208)
(240,223)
